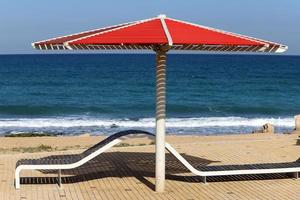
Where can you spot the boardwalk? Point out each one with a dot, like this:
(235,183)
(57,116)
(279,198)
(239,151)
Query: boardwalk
(128,172)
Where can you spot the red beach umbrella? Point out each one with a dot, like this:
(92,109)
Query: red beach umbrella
(160,34)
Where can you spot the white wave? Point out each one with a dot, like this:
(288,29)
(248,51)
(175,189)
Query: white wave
(68,122)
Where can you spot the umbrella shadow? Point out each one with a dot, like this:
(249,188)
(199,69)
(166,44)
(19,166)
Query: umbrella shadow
(140,165)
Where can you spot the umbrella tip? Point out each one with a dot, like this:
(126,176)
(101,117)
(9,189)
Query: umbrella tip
(162,16)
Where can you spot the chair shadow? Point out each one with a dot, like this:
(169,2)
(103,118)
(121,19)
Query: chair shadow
(141,166)
(118,164)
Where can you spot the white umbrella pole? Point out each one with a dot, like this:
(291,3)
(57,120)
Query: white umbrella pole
(160,119)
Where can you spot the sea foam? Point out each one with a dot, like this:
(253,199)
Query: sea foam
(67,122)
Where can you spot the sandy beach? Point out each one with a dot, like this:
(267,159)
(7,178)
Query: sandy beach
(149,100)
(127,171)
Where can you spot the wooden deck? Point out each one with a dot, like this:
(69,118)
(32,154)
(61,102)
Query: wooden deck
(128,172)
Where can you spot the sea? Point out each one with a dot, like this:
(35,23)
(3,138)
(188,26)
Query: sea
(207,94)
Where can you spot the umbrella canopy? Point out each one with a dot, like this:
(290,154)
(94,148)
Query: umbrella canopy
(146,34)
(159,34)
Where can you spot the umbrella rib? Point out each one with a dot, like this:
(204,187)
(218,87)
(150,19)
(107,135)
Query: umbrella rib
(83,32)
(68,45)
(166,30)
(266,43)
(263,42)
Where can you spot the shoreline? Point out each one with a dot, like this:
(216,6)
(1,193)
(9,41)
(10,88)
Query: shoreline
(179,125)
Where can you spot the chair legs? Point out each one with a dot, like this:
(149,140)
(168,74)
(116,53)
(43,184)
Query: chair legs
(17,179)
(296,175)
(59,178)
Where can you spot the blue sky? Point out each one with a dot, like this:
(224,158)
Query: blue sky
(22,22)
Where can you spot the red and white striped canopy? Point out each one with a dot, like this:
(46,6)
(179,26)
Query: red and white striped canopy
(161,30)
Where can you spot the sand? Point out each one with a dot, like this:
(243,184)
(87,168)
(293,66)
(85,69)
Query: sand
(62,143)
(127,172)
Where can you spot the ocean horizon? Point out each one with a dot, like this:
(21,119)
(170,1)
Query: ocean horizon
(71,94)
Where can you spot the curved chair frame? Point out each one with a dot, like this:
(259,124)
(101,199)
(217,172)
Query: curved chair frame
(114,139)
(94,151)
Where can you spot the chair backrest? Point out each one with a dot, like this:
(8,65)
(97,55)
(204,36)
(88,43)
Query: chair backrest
(111,138)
